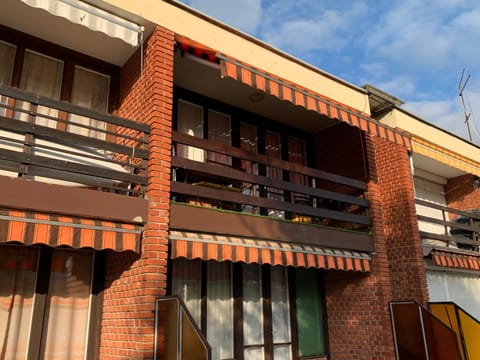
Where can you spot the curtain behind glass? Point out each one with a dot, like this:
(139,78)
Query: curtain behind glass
(67,306)
(252,312)
(220,309)
(18,269)
(7,59)
(186,283)
(219,131)
(273,149)
(41,75)
(248,142)
(297,154)
(190,121)
(90,90)
(280,314)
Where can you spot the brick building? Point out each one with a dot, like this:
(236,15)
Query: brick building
(155,163)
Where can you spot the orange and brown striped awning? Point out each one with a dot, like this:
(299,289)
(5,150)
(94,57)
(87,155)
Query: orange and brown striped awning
(456,260)
(321,104)
(203,246)
(58,230)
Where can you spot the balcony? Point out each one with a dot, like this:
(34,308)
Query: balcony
(70,148)
(448,227)
(243,193)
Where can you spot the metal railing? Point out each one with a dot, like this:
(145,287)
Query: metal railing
(52,141)
(209,174)
(449,227)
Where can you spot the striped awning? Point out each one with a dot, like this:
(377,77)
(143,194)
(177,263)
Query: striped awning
(58,230)
(444,156)
(456,260)
(203,246)
(285,90)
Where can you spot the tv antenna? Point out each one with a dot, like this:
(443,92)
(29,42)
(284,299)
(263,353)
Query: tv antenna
(461,86)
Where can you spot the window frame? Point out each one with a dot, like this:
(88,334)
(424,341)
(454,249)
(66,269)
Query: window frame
(237,283)
(69,58)
(36,336)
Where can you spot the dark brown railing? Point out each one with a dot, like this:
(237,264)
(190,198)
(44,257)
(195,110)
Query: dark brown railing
(455,227)
(56,142)
(233,179)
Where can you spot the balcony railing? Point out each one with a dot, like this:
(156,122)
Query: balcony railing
(213,175)
(449,227)
(56,142)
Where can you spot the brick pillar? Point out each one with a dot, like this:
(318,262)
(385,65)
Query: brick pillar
(134,281)
(359,325)
(400,224)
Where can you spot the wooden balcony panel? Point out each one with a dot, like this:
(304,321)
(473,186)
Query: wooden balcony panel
(213,221)
(339,202)
(55,142)
(461,228)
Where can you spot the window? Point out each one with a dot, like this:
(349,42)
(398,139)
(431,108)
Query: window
(58,74)
(45,302)
(279,309)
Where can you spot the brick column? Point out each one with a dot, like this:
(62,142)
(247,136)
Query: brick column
(134,281)
(402,236)
(359,324)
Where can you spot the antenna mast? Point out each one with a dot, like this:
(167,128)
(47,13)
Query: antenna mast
(461,86)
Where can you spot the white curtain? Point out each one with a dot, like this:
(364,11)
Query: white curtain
(90,90)
(186,283)
(18,267)
(190,121)
(67,307)
(220,309)
(252,312)
(41,75)
(219,131)
(280,314)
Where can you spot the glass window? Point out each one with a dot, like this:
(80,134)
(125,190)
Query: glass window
(18,270)
(67,305)
(219,131)
(41,75)
(7,59)
(220,309)
(308,303)
(59,298)
(264,308)
(190,121)
(90,90)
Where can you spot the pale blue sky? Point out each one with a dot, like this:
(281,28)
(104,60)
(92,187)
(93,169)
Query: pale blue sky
(414,49)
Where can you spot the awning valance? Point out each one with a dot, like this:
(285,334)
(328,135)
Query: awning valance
(293,93)
(192,245)
(456,260)
(79,12)
(58,230)
(444,156)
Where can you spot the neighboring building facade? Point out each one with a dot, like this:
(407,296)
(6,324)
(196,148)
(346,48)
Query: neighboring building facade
(149,152)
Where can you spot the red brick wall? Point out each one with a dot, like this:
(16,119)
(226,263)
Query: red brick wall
(359,324)
(401,232)
(461,195)
(134,281)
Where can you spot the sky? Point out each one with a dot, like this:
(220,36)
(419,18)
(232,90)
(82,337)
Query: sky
(415,50)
